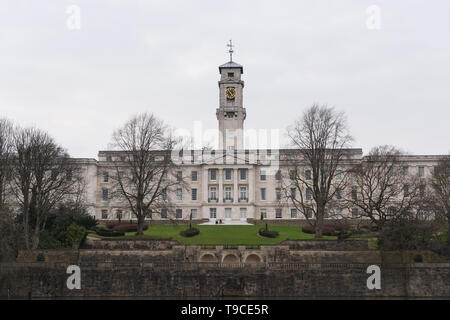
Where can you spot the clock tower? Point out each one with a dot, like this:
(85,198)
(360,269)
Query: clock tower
(231,113)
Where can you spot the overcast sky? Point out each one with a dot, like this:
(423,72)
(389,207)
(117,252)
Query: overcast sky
(162,57)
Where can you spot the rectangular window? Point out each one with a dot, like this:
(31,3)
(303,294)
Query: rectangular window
(421,172)
(422,190)
(338,194)
(179,193)
(164,194)
(119,215)
(278,193)
(228,193)
(179,176)
(68,175)
(308,174)
(263,175)
(193,213)
(354,194)
(278,175)
(263,213)
(119,194)
(194,194)
(309,213)
(228,174)
(213,174)
(194,175)
(293,193)
(263,193)
(212,213)
(228,213)
(355,213)
(164,214)
(230,74)
(278,213)
(179,213)
(243,193)
(105,176)
(339,213)
(338,175)
(308,194)
(105,194)
(292,174)
(104,214)
(405,171)
(243,174)
(120,175)
(293,213)
(213,193)
(406,190)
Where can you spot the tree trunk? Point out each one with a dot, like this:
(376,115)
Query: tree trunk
(140,226)
(319,221)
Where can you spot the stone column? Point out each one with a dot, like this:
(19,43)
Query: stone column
(220,191)
(205,184)
(251,184)
(236,185)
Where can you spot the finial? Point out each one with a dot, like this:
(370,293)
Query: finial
(230,45)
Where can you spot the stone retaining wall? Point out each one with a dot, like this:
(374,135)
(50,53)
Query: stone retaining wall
(40,280)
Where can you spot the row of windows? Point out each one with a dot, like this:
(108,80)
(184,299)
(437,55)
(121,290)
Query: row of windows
(262,176)
(163,214)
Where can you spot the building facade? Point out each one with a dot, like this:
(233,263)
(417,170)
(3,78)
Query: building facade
(230,184)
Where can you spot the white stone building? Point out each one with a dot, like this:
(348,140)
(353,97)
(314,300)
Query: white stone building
(231,184)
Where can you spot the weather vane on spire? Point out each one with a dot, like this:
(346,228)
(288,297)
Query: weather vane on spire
(230,45)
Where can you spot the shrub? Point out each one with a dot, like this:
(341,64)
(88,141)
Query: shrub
(111,224)
(268,233)
(75,235)
(48,241)
(191,232)
(407,234)
(128,227)
(109,233)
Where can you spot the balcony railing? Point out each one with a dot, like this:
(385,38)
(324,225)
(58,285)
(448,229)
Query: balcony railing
(243,199)
(227,199)
(213,200)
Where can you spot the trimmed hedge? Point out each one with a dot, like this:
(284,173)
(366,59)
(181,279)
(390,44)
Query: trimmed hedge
(191,232)
(328,229)
(109,233)
(128,227)
(268,233)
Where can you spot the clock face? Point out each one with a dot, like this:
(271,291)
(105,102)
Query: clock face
(230,93)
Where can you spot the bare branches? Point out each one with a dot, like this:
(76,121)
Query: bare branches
(144,170)
(6,146)
(382,189)
(43,175)
(321,135)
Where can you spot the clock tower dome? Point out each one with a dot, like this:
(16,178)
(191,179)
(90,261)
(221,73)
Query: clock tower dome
(231,113)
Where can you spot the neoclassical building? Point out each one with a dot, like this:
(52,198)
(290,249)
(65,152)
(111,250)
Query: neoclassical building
(231,184)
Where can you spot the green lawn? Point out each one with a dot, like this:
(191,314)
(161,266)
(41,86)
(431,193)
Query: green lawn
(227,235)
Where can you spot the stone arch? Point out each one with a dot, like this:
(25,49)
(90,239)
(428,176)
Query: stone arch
(230,258)
(253,259)
(208,257)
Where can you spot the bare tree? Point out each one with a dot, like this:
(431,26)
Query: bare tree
(6,132)
(382,189)
(440,182)
(321,137)
(145,173)
(43,176)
